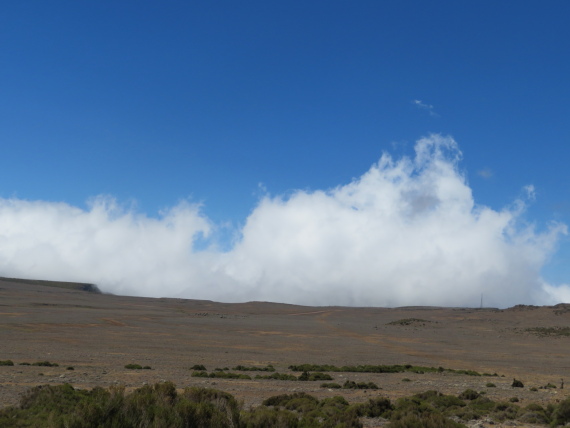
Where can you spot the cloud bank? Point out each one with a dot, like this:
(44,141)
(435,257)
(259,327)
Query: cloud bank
(407,232)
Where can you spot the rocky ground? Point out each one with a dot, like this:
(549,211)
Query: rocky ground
(99,334)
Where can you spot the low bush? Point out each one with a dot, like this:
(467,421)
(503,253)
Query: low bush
(161,405)
(45,364)
(397,368)
(6,363)
(349,384)
(198,367)
(517,384)
(220,375)
(268,368)
(561,415)
(133,367)
(469,394)
(277,376)
(490,385)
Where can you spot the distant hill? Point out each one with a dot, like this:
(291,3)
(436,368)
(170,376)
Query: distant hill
(81,286)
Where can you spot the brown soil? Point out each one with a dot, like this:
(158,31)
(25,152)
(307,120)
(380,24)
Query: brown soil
(99,334)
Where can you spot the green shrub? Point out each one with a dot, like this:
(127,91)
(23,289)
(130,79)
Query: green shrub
(349,384)
(263,417)
(550,386)
(319,376)
(517,384)
(469,394)
(45,364)
(198,367)
(133,367)
(490,385)
(561,415)
(6,363)
(375,407)
(514,399)
(147,368)
(268,368)
(24,364)
(220,375)
(277,376)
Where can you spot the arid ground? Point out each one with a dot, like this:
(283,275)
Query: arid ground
(99,334)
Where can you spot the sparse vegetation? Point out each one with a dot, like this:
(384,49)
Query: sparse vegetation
(549,331)
(220,375)
(396,368)
(349,384)
(6,363)
(268,368)
(162,405)
(277,376)
(410,321)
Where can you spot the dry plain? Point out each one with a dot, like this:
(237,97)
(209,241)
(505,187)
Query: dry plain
(98,334)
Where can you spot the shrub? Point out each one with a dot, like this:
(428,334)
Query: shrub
(514,399)
(490,385)
(45,364)
(517,384)
(268,368)
(375,407)
(561,415)
(406,380)
(277,376)
(319,376)
(550,386)
(69,368)
(6,363)
(147,368)
(264,417)
(133,367)
(349,384)
(469,394)
(198,367)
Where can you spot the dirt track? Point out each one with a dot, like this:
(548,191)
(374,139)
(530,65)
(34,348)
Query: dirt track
(98,334)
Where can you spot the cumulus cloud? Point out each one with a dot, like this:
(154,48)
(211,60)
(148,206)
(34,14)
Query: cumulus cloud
(407,232)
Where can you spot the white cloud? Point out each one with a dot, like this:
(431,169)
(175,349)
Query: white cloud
(421,105)
(407,232)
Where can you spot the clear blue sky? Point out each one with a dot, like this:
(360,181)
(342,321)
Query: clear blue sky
(223,102)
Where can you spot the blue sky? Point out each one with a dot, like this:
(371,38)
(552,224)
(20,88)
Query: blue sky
(227,103)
